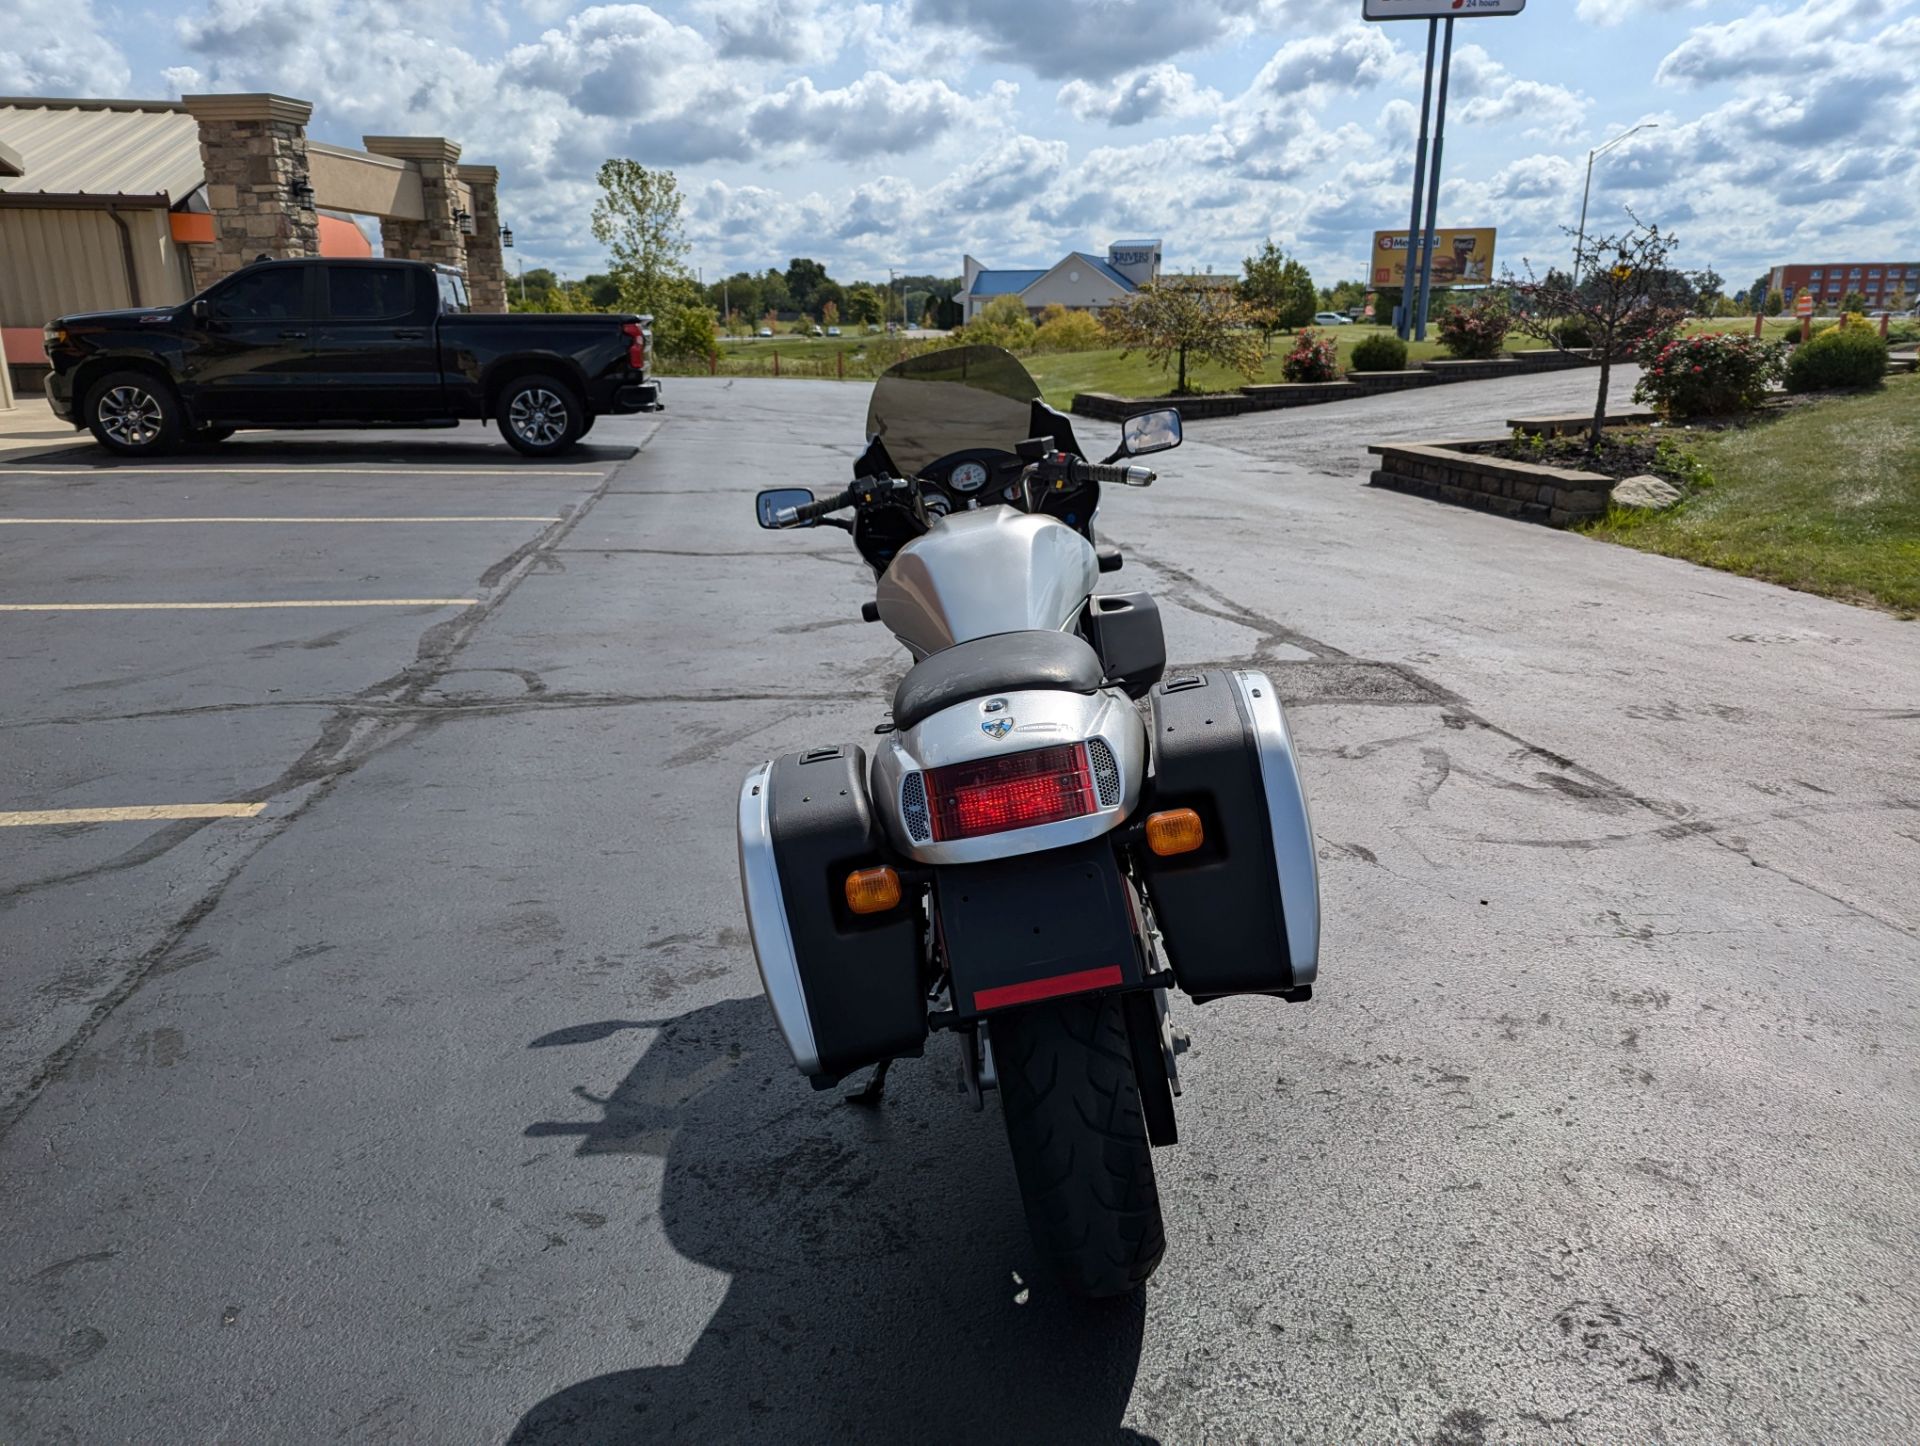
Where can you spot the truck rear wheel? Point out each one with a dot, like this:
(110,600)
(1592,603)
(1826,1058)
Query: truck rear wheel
(540,415)
(133,413)
(1079,1142)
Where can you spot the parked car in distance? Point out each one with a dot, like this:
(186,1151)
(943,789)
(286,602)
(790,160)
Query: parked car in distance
(764,331)
(1329,318)
(316,342)
(833,331)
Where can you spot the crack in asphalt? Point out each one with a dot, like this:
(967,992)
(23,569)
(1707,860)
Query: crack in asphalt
(375,719)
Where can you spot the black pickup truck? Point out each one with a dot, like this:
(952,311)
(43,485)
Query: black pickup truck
(325,343)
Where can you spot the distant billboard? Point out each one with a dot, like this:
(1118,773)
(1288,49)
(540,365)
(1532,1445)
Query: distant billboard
(1460,258)
(1439,9)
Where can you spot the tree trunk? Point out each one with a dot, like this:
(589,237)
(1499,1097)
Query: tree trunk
(1600,406)
(1182,387)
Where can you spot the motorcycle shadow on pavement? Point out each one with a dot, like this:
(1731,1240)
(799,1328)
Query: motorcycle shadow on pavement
(882,1288)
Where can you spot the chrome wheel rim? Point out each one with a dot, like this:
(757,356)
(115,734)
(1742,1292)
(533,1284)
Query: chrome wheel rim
(538,416)
(131,416)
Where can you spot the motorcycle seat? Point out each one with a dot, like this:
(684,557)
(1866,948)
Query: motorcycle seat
(1003,663)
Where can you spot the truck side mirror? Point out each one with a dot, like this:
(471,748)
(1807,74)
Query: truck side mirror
(202,310)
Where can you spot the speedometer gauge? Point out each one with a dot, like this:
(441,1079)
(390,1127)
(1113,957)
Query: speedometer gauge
(967,477)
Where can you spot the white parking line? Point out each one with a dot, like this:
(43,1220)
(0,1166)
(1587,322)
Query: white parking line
(137,607)
(138,813)
(169,521)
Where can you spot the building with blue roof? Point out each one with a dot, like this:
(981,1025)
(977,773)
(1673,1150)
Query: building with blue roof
(1079,281)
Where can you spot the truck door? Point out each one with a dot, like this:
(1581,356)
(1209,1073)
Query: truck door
(248,352)
(374,356)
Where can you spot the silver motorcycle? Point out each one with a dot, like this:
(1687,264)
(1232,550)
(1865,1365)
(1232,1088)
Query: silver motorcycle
(1053,832)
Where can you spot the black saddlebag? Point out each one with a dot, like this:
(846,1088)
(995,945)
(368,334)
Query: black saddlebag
(846,989)
(1240,914)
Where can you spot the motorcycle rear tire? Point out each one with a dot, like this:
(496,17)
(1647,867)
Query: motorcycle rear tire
(1079,1142)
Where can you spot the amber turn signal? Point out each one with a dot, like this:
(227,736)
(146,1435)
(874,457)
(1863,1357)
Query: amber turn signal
(872,891)
(1177,831)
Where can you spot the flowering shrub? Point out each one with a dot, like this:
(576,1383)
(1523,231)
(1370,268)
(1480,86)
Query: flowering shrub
(1708,375)
(1314,358)
(1476,330)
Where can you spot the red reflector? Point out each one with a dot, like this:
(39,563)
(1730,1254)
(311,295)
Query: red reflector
(1016,790)
(1053,988)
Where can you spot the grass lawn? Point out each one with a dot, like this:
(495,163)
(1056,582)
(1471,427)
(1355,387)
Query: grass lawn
(1062,375)
(1824,498)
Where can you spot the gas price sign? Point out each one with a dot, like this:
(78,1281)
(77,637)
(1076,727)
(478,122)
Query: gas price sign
(1440,9)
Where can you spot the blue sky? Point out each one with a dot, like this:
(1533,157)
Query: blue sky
(905,134)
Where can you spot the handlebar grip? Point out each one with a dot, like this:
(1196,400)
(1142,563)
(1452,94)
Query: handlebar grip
(1108,472)
(817,509)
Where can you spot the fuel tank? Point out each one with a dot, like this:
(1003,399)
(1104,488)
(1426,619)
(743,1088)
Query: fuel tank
(993,570)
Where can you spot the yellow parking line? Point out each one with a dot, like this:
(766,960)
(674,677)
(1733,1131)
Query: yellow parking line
(137,607)
(163,521)
(506,469)
(139,813)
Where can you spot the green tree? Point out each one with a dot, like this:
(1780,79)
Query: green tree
(1853,301)
(1628,295)
(637,219)
(1756,294)
(1262,285)
(1001,322)
(687,333)
(1776,302)
(774,294)
(863,304)
(805,277)
(829,313)
(1173,325)
(1713,286)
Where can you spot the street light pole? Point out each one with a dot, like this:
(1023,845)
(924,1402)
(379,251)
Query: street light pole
(1587,195)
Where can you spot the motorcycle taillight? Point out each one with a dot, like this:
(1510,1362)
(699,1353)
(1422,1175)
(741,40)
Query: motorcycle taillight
(1016,790)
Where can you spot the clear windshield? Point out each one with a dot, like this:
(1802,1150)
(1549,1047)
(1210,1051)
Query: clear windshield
(949,401)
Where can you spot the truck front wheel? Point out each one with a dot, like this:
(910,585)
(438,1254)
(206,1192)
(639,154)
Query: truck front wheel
(133,413)
(540,416)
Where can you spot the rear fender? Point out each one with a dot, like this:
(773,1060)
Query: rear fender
(1021,931)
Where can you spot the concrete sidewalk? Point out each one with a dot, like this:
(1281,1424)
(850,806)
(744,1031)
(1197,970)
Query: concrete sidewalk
(30,426)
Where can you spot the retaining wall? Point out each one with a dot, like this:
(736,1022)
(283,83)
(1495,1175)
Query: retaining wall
(1262,397)
(1554,495)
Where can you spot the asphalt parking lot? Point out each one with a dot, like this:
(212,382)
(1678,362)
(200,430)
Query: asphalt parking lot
(424,1093)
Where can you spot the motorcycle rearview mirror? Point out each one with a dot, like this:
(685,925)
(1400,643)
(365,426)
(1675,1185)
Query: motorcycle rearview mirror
(770,504)
(1149,432)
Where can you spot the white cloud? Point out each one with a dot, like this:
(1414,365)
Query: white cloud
(874,115)
(1770,42)
(1142,95)
(1614,12)
(1357,57)
(54,47)
(801,32)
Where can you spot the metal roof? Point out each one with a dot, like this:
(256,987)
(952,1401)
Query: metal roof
(1136,245)
(1005,283)
(107,148)
(1104,269)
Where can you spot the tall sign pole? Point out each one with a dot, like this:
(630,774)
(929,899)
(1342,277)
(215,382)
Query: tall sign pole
(1433,182)
(1413,314)
(1403,314)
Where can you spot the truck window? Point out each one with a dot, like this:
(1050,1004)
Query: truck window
(273,293)
(369,293)
(453,292)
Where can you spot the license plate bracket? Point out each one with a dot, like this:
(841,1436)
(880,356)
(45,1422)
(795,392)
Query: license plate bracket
(1041,926)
